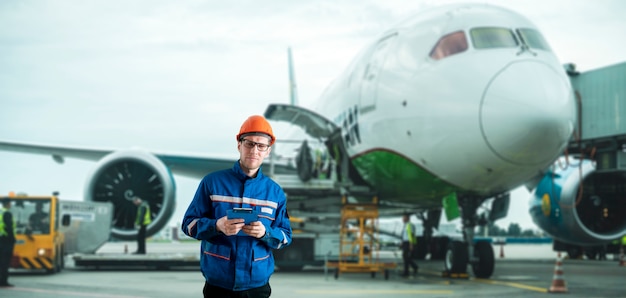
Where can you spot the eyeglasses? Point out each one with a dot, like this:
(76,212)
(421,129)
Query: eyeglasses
(250,145)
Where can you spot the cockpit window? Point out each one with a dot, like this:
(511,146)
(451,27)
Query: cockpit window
(448,45)
(491,37)
(533,39)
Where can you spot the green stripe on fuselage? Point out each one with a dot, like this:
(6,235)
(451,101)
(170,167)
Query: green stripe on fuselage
(397,178)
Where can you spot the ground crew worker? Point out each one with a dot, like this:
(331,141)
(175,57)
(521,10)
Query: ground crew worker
(236,265)
(39,221)
(409,242)
(142,220)
(336,154)
(317,169)
(7,241)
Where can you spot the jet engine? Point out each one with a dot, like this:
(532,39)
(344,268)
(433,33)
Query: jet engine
(122,175)
(576,204)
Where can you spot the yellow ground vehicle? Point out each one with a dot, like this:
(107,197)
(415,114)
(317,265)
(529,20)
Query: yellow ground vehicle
(40,243)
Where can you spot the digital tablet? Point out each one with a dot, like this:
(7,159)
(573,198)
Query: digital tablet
(247,214)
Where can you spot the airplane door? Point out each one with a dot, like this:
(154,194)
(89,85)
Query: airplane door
(371,74)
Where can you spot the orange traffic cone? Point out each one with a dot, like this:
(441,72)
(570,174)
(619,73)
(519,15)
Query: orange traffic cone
(501,251)
(621,256)
(558,283)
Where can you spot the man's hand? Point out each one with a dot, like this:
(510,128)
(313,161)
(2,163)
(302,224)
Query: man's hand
(229,226)
(255,229)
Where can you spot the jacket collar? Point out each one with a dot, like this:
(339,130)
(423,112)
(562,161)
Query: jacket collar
(242,176)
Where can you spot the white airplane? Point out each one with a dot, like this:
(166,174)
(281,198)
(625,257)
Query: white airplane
(464,102)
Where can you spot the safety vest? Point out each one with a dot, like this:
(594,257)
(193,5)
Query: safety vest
(3,231)
(146,216)
(624,240)
(409,231)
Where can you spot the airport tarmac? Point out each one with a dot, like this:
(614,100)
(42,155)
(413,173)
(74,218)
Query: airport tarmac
(526,270)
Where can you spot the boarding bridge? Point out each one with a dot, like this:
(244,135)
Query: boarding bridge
(600,133)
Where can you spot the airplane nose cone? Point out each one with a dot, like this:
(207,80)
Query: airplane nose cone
(532,124)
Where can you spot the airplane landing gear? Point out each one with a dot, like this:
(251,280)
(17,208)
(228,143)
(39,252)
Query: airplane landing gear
(462,252)
(484,260)
(456,258)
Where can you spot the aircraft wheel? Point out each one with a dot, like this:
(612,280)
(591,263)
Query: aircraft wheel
(58,263)
(591,253)
(456,257)
(440,247)
(574,252)
(61,260)
(483,267)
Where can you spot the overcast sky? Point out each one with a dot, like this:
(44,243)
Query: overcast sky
(181,76)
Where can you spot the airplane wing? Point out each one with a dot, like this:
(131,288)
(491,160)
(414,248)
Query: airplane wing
(57,152)
(313,123)
(186,165)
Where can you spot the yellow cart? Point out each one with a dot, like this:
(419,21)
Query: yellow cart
(358,234)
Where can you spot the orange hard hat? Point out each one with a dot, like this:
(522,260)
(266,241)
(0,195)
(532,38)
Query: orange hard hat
(256,124)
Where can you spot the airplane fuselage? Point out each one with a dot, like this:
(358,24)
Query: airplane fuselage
(463,99)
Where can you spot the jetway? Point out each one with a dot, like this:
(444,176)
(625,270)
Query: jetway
(600,135)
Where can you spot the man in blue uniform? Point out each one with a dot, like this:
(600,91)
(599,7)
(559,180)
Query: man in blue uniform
(236,258)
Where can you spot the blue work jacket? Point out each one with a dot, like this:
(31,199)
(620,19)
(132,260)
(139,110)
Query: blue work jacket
(236,262)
